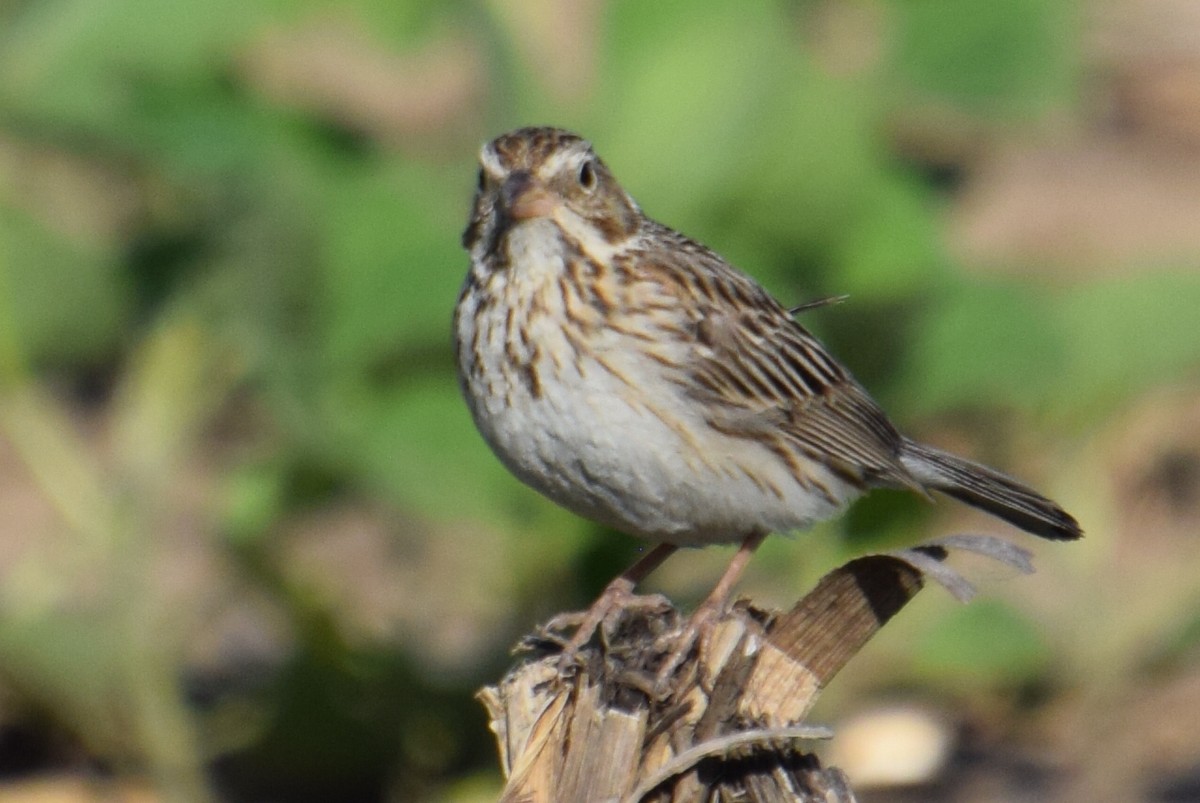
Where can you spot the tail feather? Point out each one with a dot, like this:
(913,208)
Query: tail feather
(989,490)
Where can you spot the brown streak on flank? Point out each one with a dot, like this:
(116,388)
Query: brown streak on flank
(659,358)
(530,375)
(694,448)
(627,331)
(786,455)
(789,459)
(843,473)
(511,354)
(668,330)
(607,366)
(760,482)
(634,399)
(665,307)
(839,469)
(578,348)
(806,481)
(771,445)
(522,334)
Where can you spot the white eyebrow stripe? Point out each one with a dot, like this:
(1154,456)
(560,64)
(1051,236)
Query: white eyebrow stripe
(489,161)
(563,158)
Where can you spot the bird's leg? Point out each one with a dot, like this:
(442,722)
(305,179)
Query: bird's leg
(615,596)
(700,625)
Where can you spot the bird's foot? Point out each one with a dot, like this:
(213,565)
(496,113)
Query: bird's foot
(605,615)
(695,635)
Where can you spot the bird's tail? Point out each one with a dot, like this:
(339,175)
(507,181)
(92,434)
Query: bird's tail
(989,490)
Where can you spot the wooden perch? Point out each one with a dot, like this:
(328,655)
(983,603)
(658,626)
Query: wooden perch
(734,728)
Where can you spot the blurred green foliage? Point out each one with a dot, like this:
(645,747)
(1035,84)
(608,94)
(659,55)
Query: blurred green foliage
(187,210)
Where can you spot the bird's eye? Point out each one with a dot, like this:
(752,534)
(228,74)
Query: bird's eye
(587,175)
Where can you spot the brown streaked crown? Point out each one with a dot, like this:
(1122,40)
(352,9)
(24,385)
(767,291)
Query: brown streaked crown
(531,146)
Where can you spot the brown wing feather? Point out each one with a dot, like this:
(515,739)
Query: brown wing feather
(763,375)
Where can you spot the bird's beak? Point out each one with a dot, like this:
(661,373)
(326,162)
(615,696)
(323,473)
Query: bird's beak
(526,198)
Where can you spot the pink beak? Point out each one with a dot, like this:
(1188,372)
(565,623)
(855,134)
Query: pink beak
(526,198)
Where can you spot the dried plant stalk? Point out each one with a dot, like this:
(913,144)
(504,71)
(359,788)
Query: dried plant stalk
(734,729)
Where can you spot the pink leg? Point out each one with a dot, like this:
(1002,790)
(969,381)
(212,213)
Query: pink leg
(723,588)
(699,626)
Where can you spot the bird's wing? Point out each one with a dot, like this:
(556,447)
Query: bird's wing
(759,374)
